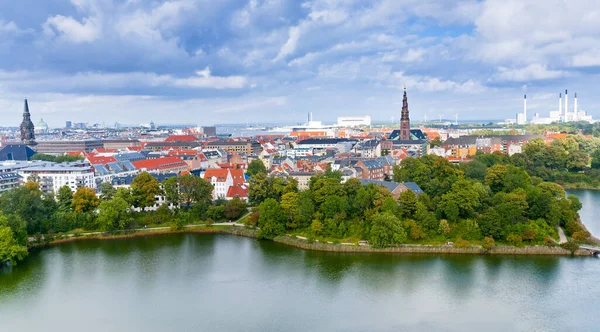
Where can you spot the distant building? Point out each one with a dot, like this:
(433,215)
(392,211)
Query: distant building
(53,176)
(9,181)
(395,188)
(251,147)
(303,178)
(209,131)
(42,127)
(68,124)
(353,121)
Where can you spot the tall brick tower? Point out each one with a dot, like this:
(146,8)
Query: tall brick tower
(27,128)
(405,119)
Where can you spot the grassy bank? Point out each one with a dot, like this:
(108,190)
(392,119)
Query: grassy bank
(329,247)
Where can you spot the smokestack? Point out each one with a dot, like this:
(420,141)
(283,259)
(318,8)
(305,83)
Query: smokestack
(575,115)
(560,115)
(525,107)
(311,116)
(566,106)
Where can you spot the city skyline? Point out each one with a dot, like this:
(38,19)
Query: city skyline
(274,61)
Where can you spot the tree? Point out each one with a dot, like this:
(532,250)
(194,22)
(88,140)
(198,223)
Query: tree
(234,208)
(64,198)
(10,250)
(271,221)
(144,190)
(291,208)
(113,214)
(85,200)
(408,204)
(256,166)
(171,191)
(386,231)
(107,191)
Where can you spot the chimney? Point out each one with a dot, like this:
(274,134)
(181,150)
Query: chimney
(525,108)
(560,115)
(566,106)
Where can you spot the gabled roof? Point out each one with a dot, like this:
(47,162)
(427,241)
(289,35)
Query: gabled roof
(16,152)
(219,174)
(160,163)
(237,191)
(181,138)
(96,160)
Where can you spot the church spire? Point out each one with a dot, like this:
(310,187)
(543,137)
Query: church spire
(404,118)
(27,128)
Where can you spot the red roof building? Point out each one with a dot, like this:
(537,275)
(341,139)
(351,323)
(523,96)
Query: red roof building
(170,164)
(181,138)
(240,191)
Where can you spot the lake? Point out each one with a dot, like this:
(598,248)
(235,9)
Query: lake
(203,282)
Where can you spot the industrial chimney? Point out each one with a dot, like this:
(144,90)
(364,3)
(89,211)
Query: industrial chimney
(525,108)
(566,106)
(560,107)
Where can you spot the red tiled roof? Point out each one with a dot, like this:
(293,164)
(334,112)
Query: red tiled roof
(237,191)
(160,163)
(238,176)
(181,138)
(104,150)
(177,152)
(220,174)
(98,160)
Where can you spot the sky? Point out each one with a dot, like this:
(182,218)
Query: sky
(235,61)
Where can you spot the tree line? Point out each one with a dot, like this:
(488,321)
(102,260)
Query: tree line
(28,212)
(496,202)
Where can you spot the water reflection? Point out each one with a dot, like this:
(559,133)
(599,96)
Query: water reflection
(225,283)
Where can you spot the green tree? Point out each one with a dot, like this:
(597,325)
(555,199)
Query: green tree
(408,204)
(10,250)
(64,198)
(171,191)
(271,220)
(386,231)
(85,200)
(291,207)
(256,166)
(107,191)
(144,190)
(234,208)
(113,214)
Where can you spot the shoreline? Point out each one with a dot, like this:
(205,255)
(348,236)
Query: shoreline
(339,248)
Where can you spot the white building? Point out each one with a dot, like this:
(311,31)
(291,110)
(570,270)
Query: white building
(53,176)
(353,121)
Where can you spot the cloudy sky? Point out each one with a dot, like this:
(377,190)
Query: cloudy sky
(208,61)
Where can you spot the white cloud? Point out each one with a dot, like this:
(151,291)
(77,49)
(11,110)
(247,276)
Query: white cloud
(71,30)
(111,81)
(290,45)
(533,72)
(591,59)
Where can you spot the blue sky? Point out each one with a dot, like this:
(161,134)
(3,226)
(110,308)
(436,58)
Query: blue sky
(207,61)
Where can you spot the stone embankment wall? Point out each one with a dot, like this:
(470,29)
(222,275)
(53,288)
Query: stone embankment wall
(429,249)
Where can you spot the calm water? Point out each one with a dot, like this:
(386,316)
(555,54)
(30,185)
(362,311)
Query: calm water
(224,283)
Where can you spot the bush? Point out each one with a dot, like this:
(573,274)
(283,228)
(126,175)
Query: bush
(514,239)
(488,243)
(570,246)
(528,234)
(549,240)
(460,243)
(581,235)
